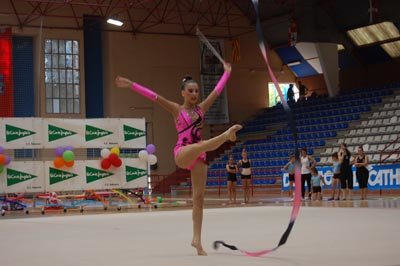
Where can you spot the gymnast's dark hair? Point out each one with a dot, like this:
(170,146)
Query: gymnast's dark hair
(187,80)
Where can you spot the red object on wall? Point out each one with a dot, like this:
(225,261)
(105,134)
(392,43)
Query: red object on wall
(6,74)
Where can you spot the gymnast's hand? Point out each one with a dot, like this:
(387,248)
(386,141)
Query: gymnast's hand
(122,82)
(227,67)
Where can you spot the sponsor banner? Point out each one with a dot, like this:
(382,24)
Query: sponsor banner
(132,133)
(63,132)
(21,133)
(380,177)
(22,177)
(135,174)
(65,178)
(39,176)
(39,133)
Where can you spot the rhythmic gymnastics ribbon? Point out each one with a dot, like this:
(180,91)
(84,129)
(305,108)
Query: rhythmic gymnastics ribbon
(297,196)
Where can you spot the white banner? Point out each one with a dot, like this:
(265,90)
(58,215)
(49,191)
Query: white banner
(39,176)
(21,133)
(135,174)
(65,178)
(22,177)
(210,72)
(38,133)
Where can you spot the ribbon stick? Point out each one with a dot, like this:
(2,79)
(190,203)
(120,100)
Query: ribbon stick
(209,45)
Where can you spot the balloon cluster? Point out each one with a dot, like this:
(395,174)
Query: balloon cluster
(110,157)
(148,154)
(64,157)
(4,160)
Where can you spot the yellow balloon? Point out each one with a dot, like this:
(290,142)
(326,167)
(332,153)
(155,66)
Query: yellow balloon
(115,150)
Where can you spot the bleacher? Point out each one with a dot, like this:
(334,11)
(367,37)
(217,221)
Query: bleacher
(322,123)
(380,130)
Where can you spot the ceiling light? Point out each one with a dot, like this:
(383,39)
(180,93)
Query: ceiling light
(294,63)
(374,33)
(392,48)
(115,22)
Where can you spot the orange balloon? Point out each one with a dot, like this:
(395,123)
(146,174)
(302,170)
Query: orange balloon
(2,159)
(69,164)
(58,162)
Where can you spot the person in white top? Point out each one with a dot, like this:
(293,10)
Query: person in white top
(245,165)
(307,162)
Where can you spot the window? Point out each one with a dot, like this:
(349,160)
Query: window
(273,97)
(62,76)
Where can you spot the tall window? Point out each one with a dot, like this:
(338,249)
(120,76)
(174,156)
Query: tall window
(62,76)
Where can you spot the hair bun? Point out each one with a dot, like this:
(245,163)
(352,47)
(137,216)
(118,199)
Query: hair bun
(186,78)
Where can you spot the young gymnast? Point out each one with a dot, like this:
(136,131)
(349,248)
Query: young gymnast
(336,164)
(190,150)
(316,184)
(289,167)
(245,175)
(231,169)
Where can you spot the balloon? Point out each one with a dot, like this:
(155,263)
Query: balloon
(115,150)
(152,159)
(59,151)
(69,164)
(1,149)
(8,160)
(68,156)
(68,148)
(105,153)
(2,159)
(58,162)
(113,158)
(117,163)
(143,155)
(151,149)
(1,169)
(105,164)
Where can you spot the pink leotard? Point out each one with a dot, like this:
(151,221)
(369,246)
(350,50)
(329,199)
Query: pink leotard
(189,132)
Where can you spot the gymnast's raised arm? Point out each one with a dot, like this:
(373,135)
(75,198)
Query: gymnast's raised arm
(171,107)
(206,104)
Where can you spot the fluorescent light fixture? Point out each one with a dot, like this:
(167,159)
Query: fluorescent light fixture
(392,48)
(115,22)
(374,33)
(340,47)
(294,63)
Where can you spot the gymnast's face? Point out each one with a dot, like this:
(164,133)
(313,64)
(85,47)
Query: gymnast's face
(191,93)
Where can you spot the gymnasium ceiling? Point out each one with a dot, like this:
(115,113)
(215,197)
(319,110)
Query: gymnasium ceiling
(317,21)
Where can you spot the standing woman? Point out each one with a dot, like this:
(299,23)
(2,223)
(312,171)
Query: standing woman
(346,172)
(232,170)
(307,162)
(190,150)
(244,163)
(362,173)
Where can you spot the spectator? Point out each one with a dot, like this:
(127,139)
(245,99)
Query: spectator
(346,172)
(302,91)
(290,94)
(306,163)
(362,173)
(232,169)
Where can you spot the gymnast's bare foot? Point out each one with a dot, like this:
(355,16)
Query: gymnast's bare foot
(199,248)
(231,132)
